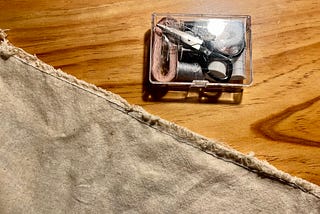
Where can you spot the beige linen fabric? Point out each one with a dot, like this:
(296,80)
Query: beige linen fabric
(69,147)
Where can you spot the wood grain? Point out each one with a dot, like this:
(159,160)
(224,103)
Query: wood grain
(102,42)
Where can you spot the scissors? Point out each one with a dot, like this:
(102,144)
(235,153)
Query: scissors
(206,52)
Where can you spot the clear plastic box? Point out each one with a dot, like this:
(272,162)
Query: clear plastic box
(207,57)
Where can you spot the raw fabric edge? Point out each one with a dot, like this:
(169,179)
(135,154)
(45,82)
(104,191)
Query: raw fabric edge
(181,134)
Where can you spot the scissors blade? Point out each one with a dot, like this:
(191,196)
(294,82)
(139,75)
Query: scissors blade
(194,42)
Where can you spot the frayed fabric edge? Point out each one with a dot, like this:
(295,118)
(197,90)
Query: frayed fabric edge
(181,134)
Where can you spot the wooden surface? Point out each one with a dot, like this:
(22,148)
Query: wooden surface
(102,42)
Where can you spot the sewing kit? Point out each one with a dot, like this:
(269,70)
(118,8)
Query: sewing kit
(199,55)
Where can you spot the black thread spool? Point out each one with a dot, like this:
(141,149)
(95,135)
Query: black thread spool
(187,72)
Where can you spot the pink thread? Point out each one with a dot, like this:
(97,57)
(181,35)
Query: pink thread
(157,70)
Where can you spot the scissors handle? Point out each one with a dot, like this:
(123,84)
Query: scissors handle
(209,73)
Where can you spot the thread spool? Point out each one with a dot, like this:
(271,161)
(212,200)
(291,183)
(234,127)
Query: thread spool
(158,73)
(239,67)
(217,69)
(187,72)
